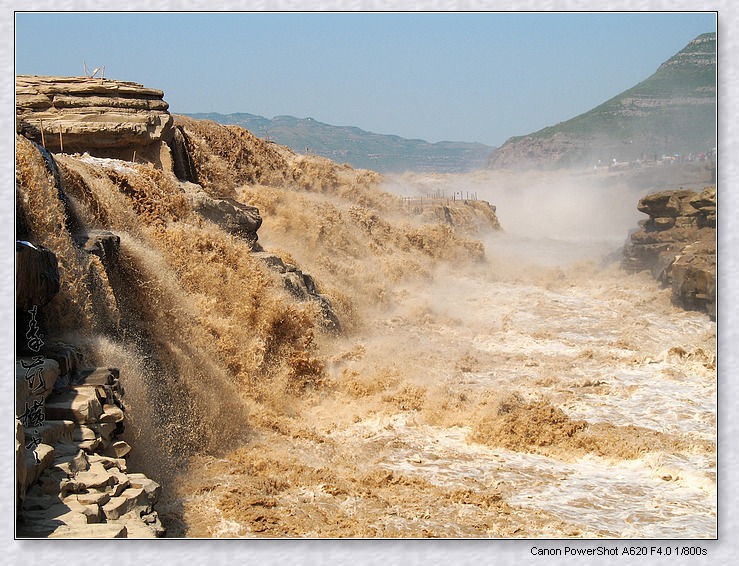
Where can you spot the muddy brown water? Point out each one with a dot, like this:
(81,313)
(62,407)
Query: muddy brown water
(566,401)
(538,392)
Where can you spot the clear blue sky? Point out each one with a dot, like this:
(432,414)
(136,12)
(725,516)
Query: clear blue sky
(436,76)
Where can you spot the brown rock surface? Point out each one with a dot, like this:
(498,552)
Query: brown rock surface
(64,489)
(36,276)
(678,245)
(694,276)
(232,216)
(34,380)
(102,243)
(107,118)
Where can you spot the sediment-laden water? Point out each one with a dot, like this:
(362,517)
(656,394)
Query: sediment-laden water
(513,400)
(486,383)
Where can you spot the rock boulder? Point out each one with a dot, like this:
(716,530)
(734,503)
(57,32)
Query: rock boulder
(232,216)
(302,287)
(677,244)
(102,243)
(36,276)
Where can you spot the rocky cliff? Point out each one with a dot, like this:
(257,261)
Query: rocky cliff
(671,112)
(103,117)
(677,244)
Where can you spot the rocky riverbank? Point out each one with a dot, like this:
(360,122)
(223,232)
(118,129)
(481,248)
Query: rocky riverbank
(138,264)
(677,244)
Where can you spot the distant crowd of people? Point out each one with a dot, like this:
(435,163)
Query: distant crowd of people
(655,158)
(681,157)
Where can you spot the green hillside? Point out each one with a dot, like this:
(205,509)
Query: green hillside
(673,111)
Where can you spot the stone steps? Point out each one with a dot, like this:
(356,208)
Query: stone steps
(71,472)
(73,494)
(72,478)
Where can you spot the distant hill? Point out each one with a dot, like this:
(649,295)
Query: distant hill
(359,148)
(673,111)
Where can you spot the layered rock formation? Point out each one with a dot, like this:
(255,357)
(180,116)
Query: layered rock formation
(106,118)
(162,261)
(677,244)
(72,478)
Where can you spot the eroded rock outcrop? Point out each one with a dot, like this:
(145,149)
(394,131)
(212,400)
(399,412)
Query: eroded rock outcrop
(302,287)
(104,117)
(36,275)
(232,216)
(677,244)
(102,243)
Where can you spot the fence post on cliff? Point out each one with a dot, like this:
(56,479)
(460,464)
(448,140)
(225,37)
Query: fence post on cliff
(61,141)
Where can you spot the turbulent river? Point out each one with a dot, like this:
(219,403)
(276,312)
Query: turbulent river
(533,391)
(547,395)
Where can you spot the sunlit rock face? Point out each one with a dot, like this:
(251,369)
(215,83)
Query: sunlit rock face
(678,245)
(104,117)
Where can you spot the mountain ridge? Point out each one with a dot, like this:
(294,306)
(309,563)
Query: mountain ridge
(672,111)
(362,149)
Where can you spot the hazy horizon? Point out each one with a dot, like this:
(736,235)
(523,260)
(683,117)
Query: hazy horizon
(473,77)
